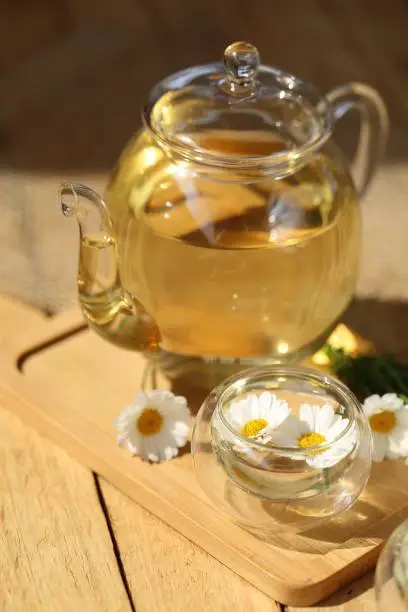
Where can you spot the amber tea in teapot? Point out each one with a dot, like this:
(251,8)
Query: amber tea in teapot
(233,269)
(230,232)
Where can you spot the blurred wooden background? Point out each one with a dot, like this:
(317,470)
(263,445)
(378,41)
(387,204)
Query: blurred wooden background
(74,74)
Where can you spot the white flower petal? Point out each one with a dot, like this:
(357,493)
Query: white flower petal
(238,412)
(237,421)
(280,439)
(398,443)
(375,403)
(140,400)
(391,454)
(266,406)
(402,418)
(179,441)
(181,400)
(169,452)
(324,418)
(152,450)
(158,397)
(121,439)
(128,415)
(174,430)
(132,448)
(253,405)
(392,401)
(394,443)
(180,428)
(237,425)
(403,443)
(337,451)
(380,446)
(265,400)
(396,435)
(307,413)
(180,417)
(280,412)
(372,404)
(134,436)
(289,432)
(340,424)
(178,436)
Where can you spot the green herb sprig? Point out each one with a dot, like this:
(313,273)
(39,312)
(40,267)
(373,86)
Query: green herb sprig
(369,374)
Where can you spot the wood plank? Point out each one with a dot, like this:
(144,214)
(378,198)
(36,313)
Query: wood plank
(178,509)
(356,597)
(165,571)
(80,418)
(55,549)
(355,53)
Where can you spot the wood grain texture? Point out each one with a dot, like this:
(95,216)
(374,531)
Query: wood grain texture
(73,63)
(55,549)
(356,597)
(165,571)
(80,418)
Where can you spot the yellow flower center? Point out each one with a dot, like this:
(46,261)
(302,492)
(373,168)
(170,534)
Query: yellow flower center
(253,427)
(383,422)
(149,422)
(311,439)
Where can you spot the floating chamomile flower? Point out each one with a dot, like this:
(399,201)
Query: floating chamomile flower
(388,418)
(155,425)
(255,415)
(316,426)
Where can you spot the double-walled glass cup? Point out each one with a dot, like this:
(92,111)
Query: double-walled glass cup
(268,487)
(391,578)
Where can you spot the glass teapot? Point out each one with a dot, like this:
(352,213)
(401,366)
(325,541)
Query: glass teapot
(230,231)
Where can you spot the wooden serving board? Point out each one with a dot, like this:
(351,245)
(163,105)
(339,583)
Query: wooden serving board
(70,385)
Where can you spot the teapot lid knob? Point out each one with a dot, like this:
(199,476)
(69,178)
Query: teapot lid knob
(241,61)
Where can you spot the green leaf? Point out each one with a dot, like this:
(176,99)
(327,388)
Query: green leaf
(369,374)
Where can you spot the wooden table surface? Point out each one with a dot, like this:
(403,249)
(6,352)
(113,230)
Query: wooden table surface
(73,75)
(71,541)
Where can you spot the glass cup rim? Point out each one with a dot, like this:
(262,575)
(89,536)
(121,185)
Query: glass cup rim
(305,373)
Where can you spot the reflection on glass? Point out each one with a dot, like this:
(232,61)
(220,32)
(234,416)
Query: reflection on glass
(391,578)
(269,483)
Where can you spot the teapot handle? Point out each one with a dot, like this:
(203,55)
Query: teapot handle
(373,131)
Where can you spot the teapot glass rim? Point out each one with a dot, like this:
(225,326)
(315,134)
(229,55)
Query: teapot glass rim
(270,163)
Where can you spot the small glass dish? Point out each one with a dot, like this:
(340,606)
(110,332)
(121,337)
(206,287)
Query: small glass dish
(266,487)
(391,577)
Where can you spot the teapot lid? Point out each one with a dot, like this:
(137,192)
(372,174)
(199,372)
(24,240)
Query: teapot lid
(211,112)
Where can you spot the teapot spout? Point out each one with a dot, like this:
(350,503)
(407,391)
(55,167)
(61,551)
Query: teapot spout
(106,306)
(97,271)
(86,206)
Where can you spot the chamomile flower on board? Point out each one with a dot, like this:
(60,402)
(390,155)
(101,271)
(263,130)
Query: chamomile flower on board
(255,415)
(155,425)
(388,418)
(316,425)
